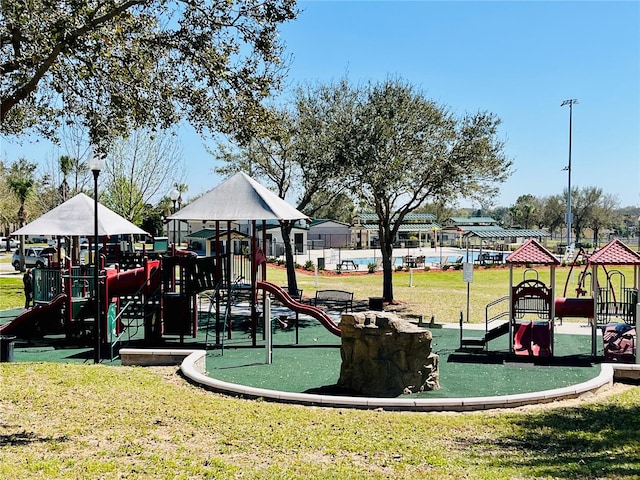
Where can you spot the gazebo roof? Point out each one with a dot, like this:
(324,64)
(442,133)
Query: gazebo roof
(615,253)
(532,252)
(75,217)
(209,233)
(239,198)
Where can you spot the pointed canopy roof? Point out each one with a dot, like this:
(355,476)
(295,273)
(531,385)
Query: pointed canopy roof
(532,252)
(239,198)
(615,253)
(75,218)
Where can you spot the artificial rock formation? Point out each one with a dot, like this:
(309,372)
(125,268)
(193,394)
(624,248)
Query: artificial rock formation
(384,355)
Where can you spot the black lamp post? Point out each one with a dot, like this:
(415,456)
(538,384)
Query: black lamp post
(96,163)
(174,195)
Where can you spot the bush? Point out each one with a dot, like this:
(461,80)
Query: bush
(445,266)
(427,268)
(372,267)
(399,268)
(338,269)
(309,265)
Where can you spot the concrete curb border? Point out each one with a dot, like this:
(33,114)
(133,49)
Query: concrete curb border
(193,366)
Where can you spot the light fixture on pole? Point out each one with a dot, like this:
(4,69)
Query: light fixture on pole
(569,219)
(174,195)
(179,240)
(96,164)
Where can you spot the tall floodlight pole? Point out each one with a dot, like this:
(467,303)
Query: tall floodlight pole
(96,163)
(571,103)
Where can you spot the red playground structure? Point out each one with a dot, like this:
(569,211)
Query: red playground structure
(533,308)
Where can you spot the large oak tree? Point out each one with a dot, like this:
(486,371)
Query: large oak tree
(406,150)
(117,65)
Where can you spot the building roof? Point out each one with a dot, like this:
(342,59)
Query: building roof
(615,253)
(471,220)
(418,227)
(409,217)
(480,228)
(505,233)
(407,227)
(533,253)
(320,221)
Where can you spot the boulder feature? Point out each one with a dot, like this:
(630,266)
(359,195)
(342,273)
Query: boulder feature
(386,356)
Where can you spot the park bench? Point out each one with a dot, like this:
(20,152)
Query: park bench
(334,298)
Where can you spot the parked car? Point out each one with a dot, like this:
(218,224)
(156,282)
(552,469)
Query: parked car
(13,243)
(32,258)
(54,242)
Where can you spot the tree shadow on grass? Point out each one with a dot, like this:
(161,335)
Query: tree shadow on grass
(26,438)
(591,441)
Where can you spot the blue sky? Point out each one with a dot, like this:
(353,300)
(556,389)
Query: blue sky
(517,59)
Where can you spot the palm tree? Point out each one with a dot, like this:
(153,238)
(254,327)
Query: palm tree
(20,183)
(66,165)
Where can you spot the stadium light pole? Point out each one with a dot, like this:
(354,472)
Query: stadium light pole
(569,219)
(96,164)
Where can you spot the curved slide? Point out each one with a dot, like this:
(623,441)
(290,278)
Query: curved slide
(33,314)
(284,297)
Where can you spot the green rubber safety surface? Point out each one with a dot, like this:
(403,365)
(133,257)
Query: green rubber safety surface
(313,363)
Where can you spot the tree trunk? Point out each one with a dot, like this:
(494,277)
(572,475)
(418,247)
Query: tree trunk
(386,247)
(292,281)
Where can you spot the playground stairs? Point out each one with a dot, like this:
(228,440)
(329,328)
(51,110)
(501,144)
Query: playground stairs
(475,344)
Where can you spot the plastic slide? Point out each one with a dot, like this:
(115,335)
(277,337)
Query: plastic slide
(522,339)
(282,295)
(39,312)
(129,282)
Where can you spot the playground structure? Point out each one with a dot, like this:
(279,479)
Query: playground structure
(533,309)
(152,297)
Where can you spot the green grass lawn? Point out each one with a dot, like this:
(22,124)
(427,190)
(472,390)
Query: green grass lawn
(69,421)
(11,292)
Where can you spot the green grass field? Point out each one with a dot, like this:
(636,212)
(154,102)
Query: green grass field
(64,421)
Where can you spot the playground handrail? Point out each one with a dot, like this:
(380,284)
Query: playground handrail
(500,316)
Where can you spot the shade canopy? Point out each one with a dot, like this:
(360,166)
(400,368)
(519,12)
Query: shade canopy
(239,198)
(75,218)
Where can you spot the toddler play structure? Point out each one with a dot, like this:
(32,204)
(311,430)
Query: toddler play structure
(532,307)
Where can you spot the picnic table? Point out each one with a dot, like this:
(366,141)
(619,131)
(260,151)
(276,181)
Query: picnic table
(349,265)
(489,258)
